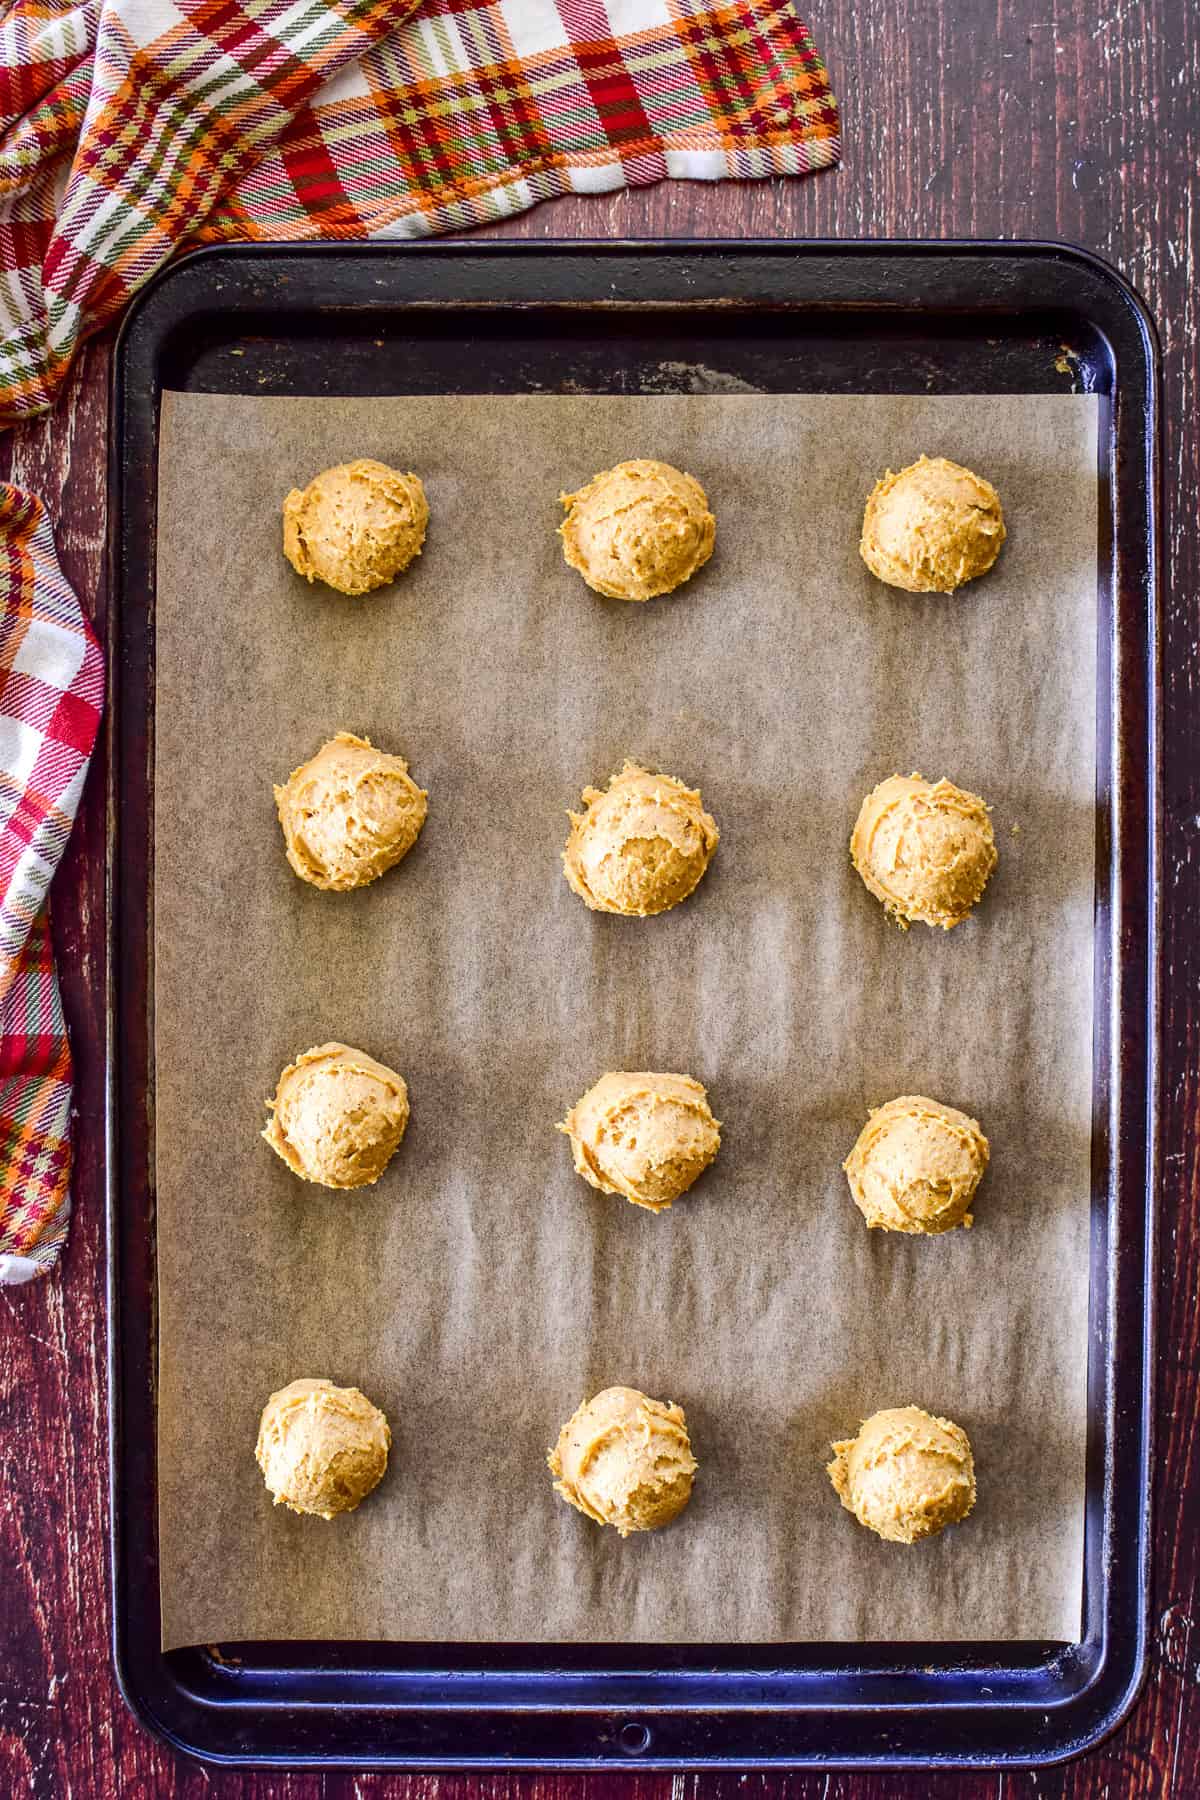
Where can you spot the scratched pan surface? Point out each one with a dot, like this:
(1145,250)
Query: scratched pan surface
(619,318)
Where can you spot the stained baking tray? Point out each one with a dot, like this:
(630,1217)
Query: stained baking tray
(806,316)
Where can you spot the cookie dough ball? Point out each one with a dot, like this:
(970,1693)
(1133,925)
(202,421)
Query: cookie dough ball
(925,849)
(338,1116)
(648,1137)
(321,1448)
(638,530)
(349,814)
(641,846)
(625,1460)
(906,1475)
(355,527)
(916,1166)
(932,527)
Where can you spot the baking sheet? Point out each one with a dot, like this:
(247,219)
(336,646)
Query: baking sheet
(482,1290)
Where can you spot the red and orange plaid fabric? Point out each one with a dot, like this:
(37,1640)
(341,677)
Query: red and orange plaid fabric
(130,127)
(51,693)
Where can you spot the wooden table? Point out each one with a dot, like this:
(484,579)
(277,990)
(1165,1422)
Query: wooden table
(1076,119)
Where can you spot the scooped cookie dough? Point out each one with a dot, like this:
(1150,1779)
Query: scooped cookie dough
(321,1448)
(356,526)
(625,1460)
(924,849)
(932,527)
(349,814)
(338,1116)
(638,530)
(648,1137)
(906,1476)
(641,846)
(916,1166)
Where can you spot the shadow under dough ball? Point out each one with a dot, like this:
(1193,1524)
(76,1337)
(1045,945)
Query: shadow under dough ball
(338,1116)
(356,526)
(916,1166)
(321,1448)
(925,849)
(906,1476)
(932,527)
(645,1136)
(349,814)
(641,846)
(625,1460)
(637,531)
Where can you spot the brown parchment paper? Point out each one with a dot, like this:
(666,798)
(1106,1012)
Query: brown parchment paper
(482,1290)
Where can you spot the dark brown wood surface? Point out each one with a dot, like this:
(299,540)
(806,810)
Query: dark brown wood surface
(1077,119)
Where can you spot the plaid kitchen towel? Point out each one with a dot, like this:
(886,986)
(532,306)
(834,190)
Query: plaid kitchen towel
(51,693)
(130,127)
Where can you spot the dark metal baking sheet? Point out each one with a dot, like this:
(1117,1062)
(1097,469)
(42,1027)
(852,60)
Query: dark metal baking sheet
(786,317)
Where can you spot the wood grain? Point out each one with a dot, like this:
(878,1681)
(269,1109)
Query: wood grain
(1076,119)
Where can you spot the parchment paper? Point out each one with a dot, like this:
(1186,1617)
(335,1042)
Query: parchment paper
(482,1290)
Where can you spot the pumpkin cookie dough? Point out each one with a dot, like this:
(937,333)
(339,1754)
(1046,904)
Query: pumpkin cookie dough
(906,1475)
(641,846)
(648,1137)
(916,1166)
(338,1116)
(349,814)
(932,527)
(625,1460)
(924,849)
(321,1448)
(638,530)
(356,526)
